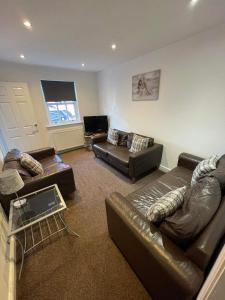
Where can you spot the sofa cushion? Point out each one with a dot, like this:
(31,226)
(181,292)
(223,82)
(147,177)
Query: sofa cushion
(204,167)
(53,164)
(166,205)
(31,164)
(200,204)
(104,146)
(113,136)
(139,143)
(50,160)
(143,198)
(55,168)
(119,153)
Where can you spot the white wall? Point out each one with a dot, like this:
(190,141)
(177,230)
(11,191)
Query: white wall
(189,115)
(86,86)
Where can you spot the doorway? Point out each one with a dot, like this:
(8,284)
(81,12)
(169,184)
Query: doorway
(19,128)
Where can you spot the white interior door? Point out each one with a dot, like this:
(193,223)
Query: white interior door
(17,118)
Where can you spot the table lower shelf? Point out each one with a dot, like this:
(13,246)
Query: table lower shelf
(36,234)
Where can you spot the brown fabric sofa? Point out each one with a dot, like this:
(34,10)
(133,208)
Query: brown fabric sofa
(166,269)
(55,172)
(133,165)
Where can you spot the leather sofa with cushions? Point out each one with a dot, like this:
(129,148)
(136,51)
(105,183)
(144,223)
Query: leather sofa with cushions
(55,172)
(166,269)
(133,165)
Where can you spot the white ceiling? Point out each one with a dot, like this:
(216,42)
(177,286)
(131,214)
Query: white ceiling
(68,32)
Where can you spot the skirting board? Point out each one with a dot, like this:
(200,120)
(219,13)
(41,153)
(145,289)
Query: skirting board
(70,149)
(164,169)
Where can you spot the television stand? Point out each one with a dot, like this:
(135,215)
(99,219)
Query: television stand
(90,139)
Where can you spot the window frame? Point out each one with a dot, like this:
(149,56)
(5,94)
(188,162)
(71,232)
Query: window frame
(76,109)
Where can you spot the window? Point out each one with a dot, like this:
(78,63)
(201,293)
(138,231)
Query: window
(61,101)
(62,112)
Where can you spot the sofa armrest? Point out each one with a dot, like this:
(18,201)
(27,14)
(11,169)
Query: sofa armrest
(162,267)
(42,153)
(145,160)
(188,161)
(99,139)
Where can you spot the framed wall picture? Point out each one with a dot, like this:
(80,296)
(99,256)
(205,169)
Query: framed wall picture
(145,86)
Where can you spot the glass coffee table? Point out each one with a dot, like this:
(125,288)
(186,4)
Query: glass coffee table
(40,218)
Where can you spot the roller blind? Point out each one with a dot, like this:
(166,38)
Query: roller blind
(55,91)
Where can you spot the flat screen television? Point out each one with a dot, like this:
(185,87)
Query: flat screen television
(94,124)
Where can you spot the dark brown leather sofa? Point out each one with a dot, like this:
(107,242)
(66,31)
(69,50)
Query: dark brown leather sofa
(167,270)
(55,172)
(133,165)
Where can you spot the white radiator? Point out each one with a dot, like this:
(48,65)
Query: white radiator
(67,138)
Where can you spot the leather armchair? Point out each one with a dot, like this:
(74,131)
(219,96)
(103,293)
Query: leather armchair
(55,172)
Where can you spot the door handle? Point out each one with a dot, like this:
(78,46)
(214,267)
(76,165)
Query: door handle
(35,128)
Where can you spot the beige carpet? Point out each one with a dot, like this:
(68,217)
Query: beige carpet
(90,267)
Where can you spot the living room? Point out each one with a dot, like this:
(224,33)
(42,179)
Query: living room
(152,75)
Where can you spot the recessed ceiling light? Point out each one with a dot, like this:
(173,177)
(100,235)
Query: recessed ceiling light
(113,46)
(27,24)
(22,56)
(193,2)
(83,65)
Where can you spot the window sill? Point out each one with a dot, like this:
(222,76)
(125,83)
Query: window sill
(63,124)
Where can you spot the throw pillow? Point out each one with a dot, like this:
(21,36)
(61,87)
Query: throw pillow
(139,143)
(166,205)
(31,164)
(112,136)
(204,167)
(130,139)
(122,139)
(200,204)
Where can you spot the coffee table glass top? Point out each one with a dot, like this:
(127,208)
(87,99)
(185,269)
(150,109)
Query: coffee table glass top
(39,205)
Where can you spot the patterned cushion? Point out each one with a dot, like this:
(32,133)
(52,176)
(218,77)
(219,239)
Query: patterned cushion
(166,205)
(113,136)
(122,140)
(31,164)
(139,143)
(204,167)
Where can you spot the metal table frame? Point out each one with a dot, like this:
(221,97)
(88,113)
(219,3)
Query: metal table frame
(39,223)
